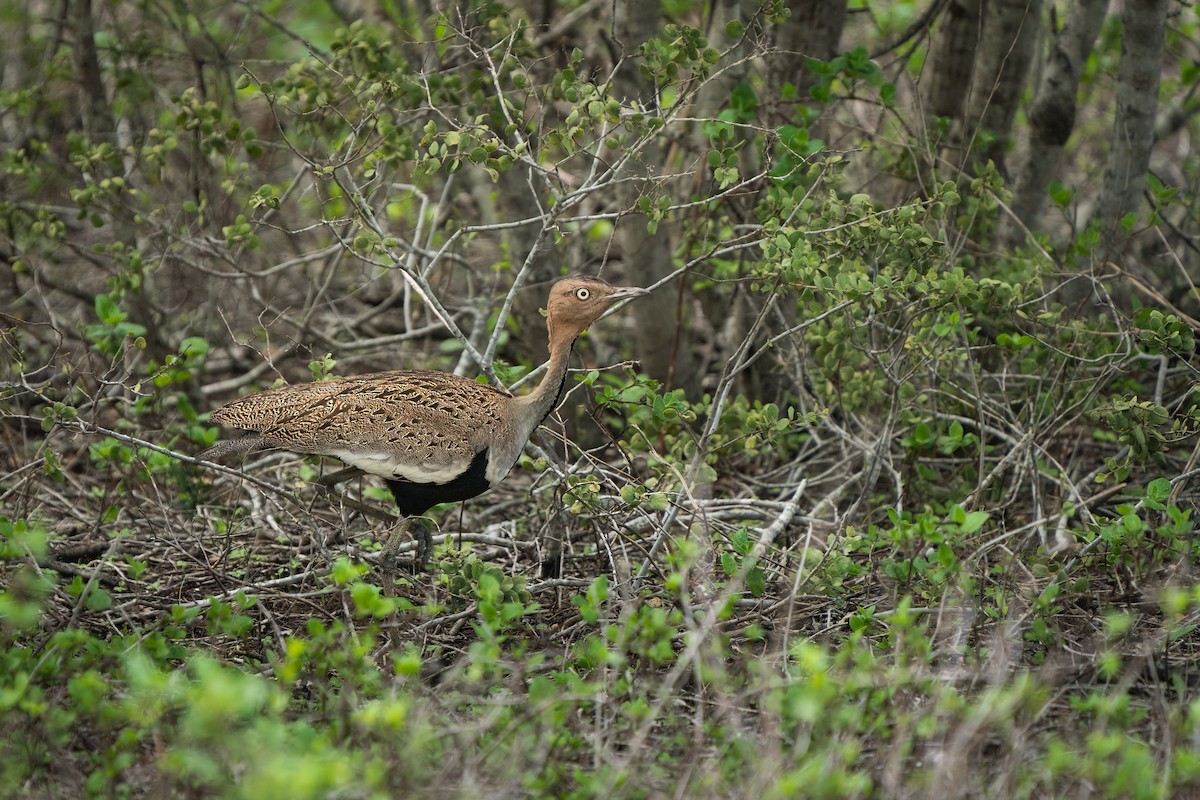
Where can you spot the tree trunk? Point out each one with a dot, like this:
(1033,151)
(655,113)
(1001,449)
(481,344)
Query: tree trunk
(946,79)
(1052,116)
(93,106)
(660,337)
(814,30)
(1145,23)
(714,94)
(951,61)
(1009,34)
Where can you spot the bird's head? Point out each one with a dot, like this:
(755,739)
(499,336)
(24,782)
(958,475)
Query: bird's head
(578,301)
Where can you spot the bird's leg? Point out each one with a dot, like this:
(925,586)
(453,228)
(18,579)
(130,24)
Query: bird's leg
(424,539)
(419,527)
(341,476)
(387,556)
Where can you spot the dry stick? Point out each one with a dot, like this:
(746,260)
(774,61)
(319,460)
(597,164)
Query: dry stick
(414,279)
(489,352)
(1176,485)
(720,396)
(769,507)
(417,281)
(791,598)
(566,22)
(711,618)
(1017,450)
(1087,548)
(770,343)
(300,577)
(251,375)
(89,429)
(1167,248)
(868,450)
(4,479)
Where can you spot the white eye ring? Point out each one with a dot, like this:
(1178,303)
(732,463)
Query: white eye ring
(582,293)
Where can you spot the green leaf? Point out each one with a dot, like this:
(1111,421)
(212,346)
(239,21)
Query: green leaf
(1158,490)
(1060,194)
(741,541)
(107,310)
(973,521)
(756,581)
(922,435)
(194,347)
(887,95)
(99,600)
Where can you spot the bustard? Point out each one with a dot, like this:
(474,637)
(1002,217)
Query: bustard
(433,436)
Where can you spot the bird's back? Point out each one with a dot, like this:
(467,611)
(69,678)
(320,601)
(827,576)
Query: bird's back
(413,424)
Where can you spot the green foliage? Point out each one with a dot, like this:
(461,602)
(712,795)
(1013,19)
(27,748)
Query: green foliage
(680,51)
(735,561)
(21,598)
(500,600)
(901,472)
(843,73)
(109,335)
(1137,425)
(1163,333)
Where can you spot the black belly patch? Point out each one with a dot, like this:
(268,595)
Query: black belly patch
(414,499)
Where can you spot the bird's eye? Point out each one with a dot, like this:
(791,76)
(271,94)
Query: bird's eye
(583,294)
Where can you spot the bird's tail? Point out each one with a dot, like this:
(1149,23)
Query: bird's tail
(228,447)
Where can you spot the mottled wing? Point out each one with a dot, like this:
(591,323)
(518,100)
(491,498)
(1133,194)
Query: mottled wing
(420,426)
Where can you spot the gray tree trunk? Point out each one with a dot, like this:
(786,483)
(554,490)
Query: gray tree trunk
(660,337)
(1052,116)
(946,76)
(714,94)
(1006,48)
(814,30)
(1145,23)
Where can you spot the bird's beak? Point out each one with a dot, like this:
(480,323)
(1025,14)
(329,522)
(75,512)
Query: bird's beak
(623,292)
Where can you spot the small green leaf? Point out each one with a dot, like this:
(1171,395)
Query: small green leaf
(194,347)
(107,310)
(1158,490)
(973,521)
(99,600)
(741,541)
(756,582)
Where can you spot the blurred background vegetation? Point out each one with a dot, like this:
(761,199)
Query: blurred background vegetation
(888,489)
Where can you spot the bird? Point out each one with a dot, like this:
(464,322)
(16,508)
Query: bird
(434,437)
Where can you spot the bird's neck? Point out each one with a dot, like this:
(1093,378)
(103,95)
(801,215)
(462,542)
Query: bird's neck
(538,404)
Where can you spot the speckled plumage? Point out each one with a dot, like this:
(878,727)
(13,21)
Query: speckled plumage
(423,431)
(393,424)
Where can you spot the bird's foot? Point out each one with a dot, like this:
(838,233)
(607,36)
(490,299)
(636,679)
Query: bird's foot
(424,538)
(388,557)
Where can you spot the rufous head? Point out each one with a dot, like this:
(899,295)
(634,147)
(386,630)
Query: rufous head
(578,301)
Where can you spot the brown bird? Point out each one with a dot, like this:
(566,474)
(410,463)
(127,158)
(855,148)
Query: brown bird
(434,437)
